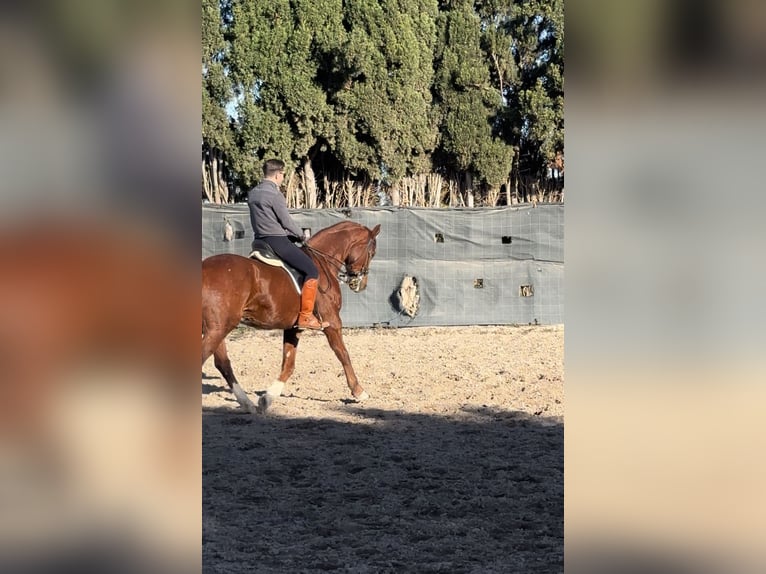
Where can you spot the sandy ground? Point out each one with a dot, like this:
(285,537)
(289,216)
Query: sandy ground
(455,464)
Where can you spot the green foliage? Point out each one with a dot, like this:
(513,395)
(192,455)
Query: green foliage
(535,115)
(383,88)
(277,50)
(468,103)
(216,87)
(382,108)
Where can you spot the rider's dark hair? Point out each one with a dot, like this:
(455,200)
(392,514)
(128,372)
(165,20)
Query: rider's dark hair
(273,167)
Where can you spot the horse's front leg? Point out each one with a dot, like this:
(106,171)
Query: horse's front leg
(223,364)
(335,338)
(290,339)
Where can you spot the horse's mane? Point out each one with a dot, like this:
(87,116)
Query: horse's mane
(324,234)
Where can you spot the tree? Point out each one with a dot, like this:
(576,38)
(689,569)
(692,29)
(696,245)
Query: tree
(467,102)
(278,49)
(217,134)
(382,109)
(415,94)
(534,116)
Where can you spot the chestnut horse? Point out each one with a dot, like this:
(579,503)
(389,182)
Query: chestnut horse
(239,289)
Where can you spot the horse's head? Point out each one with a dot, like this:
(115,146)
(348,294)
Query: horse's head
(358,259)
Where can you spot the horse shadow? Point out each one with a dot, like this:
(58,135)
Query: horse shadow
(206,377)
(481,490)
(210,389)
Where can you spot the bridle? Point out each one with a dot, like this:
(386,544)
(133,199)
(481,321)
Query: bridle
(346,273)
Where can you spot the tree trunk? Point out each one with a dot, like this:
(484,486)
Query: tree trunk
(206,182)
(292,197)
(223,189)
(214,176)
(454,193)
(350,193)
(435,184)
(329,193)
(309,185)
(493,195)
(395,193)
(469,193)
(419,183)
(367,193)
(513,199)
(410,189)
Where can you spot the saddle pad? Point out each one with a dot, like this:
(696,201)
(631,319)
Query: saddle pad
(267,258)
(263,253)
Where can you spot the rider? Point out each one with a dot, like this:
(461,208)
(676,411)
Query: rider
(272,223)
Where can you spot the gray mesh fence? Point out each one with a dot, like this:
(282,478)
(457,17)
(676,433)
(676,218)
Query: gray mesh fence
(487,266)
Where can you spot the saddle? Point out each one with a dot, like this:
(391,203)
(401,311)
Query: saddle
(263,252)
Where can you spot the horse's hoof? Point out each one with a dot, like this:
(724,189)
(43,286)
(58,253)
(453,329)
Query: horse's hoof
(363,397)
(243,400)
(264,402)
(255,410)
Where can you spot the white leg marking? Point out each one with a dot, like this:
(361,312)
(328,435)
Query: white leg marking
(276,388)
(363,397)
(243,399)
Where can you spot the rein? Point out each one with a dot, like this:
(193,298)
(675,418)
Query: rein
(323,263)
(346,276)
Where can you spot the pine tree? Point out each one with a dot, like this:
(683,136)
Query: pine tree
(467,103)
(382,108)
(278,48)
(424,95)
(534,119)
(217,135)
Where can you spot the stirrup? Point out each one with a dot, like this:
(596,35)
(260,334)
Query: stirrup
(315,325)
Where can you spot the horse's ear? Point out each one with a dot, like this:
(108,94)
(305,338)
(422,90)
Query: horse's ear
(375,230)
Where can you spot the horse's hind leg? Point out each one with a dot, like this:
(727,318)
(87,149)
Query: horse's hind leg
(335,338)
(290,339)
(223,364)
